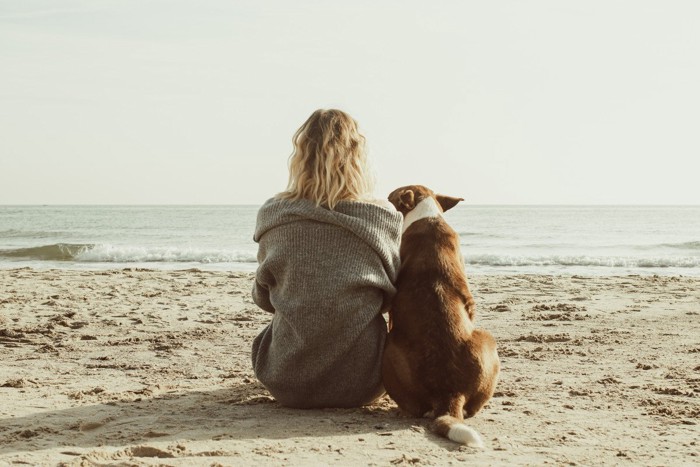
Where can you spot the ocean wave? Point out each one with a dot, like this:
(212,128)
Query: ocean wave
(55,252)
(682,246)
(109,253)
(464,233)
(105,253)
(591,261)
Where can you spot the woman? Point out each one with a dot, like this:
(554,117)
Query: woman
(328,258)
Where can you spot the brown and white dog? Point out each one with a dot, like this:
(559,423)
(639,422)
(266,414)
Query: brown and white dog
(435,360)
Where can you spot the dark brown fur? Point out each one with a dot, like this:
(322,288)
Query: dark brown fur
(435,360)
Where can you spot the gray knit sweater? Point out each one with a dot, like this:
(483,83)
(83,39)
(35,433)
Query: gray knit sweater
(327,276)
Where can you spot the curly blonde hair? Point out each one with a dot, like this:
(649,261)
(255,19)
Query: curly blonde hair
(329,163)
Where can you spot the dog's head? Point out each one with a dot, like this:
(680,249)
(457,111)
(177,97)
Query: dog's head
(407,197)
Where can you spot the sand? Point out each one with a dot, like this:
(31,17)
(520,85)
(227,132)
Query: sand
(138,367)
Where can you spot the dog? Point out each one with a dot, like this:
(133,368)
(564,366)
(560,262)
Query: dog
(435,361)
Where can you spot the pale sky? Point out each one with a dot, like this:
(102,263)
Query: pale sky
(195,102)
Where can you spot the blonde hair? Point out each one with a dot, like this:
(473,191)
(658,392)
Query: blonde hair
(329,163)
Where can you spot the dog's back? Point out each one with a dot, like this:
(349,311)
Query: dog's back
(432,273)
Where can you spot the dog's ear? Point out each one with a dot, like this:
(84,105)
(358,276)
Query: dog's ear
(408,200)
(447,202)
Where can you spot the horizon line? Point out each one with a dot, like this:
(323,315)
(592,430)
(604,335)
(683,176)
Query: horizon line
(260,204)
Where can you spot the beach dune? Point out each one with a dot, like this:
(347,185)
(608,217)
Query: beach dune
(143,367)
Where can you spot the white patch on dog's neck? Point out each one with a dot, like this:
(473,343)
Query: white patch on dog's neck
(428,207)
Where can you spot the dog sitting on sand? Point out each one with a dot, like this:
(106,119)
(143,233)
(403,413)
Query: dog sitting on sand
(435,361)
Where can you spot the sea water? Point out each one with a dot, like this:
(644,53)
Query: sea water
(586,240)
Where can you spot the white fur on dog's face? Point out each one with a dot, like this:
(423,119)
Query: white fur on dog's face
(427,207)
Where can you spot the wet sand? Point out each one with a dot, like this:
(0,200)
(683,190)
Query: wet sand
(138,367)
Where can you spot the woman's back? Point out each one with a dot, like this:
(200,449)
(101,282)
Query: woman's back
(327,275)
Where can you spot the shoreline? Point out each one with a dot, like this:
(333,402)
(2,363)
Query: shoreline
(137,366)
(249,268)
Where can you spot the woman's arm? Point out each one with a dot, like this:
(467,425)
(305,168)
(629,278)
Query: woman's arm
(261,296)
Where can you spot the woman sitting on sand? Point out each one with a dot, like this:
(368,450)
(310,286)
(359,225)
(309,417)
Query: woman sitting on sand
(328,258)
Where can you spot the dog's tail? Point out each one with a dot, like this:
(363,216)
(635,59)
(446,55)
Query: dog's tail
(455,429)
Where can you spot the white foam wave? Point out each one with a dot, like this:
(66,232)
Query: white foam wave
(150,254)
(110,253)
(600,261)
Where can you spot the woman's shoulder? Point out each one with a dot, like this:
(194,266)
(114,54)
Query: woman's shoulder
(375,210)
(374,214)
(382,203)
(365,214)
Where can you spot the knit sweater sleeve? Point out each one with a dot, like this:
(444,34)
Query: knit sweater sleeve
(261,285)
(261,297)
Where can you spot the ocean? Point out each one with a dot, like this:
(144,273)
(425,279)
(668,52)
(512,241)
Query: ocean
(583,240)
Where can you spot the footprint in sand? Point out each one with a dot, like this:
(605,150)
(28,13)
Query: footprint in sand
(89,426)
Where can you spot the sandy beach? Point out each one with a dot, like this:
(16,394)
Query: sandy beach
(141,367)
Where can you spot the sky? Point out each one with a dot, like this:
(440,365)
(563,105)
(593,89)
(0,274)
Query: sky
(196,102)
